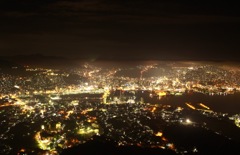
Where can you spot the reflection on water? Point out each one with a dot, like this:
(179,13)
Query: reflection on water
(219,103)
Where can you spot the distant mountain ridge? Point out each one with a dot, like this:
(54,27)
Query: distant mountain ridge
(9,67)
(39,60)
(5,64)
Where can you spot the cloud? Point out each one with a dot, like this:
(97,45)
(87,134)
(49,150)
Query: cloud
(125,12)
(81,6)
(92,26)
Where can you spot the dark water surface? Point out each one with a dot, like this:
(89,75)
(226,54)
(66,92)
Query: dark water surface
(219,103)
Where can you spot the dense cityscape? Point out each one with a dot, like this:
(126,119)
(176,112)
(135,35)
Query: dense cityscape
(161,105)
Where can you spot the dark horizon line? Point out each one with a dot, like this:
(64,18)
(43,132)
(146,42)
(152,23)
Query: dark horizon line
(40,56)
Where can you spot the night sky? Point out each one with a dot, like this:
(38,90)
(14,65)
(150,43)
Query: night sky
(121,29)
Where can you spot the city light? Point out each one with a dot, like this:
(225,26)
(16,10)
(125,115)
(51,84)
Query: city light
(59,114)
(188,121)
